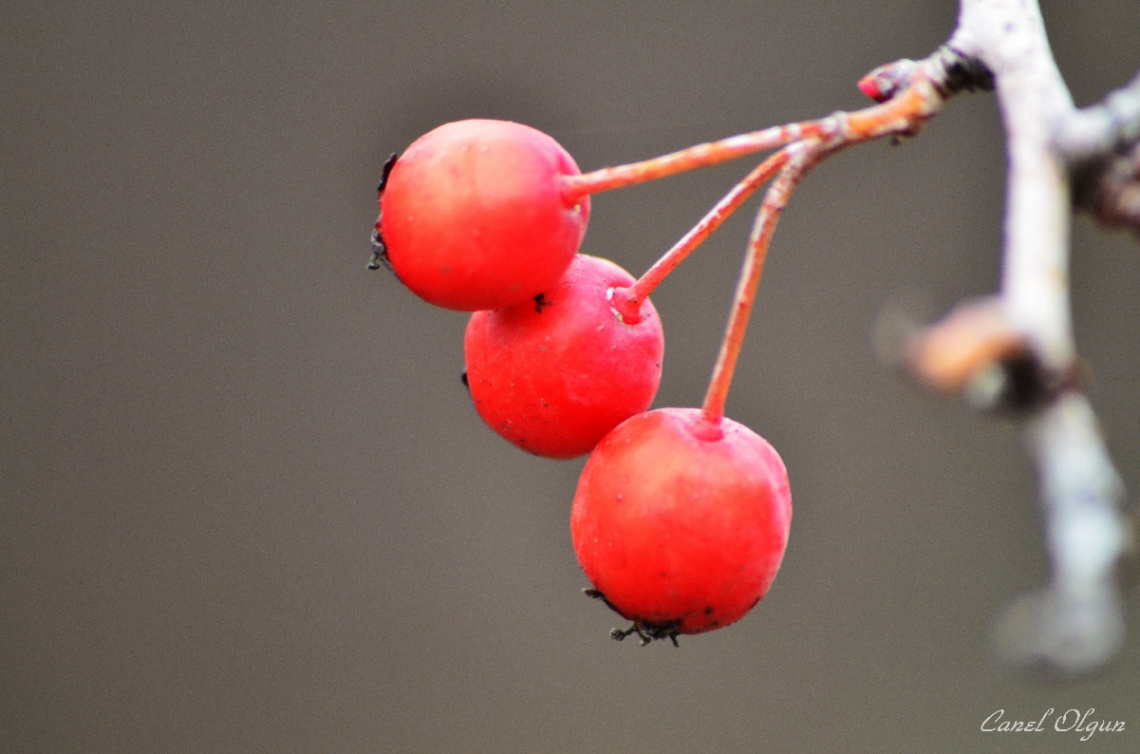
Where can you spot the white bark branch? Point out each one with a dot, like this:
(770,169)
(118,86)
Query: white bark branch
(1008,36)
(1076,623)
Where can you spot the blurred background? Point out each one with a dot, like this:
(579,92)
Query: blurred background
(246,504)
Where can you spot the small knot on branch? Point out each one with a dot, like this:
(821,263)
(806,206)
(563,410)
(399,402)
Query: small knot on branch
(961,72)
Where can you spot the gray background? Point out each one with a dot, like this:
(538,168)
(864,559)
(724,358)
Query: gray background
(246,505)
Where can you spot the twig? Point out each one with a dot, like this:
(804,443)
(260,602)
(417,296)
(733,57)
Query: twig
(1110,127)
(1101,145)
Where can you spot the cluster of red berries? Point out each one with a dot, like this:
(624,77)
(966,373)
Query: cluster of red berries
(680,519)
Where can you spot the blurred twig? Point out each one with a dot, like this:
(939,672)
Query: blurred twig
(1102,147)
(1075,624)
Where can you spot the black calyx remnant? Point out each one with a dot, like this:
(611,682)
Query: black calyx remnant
(463,379)
(379,249)
(596,594)
(386,171)
(646,632)
(540,301)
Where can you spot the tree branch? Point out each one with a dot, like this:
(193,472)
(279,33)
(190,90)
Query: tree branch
(1008,36)
(1017,352)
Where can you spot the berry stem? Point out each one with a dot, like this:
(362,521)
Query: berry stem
(627,301)
(574,187)
(800,158)
(904,113)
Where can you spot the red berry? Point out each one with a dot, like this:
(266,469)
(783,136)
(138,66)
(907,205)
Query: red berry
(681,525)
(554,374)
(473,214)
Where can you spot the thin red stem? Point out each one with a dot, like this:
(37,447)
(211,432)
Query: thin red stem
(708,224)
(774,202)
(574,187)
(902,114)
(627,301)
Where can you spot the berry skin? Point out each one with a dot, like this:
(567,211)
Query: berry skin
(473,215)
(681,525)
(554,374)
